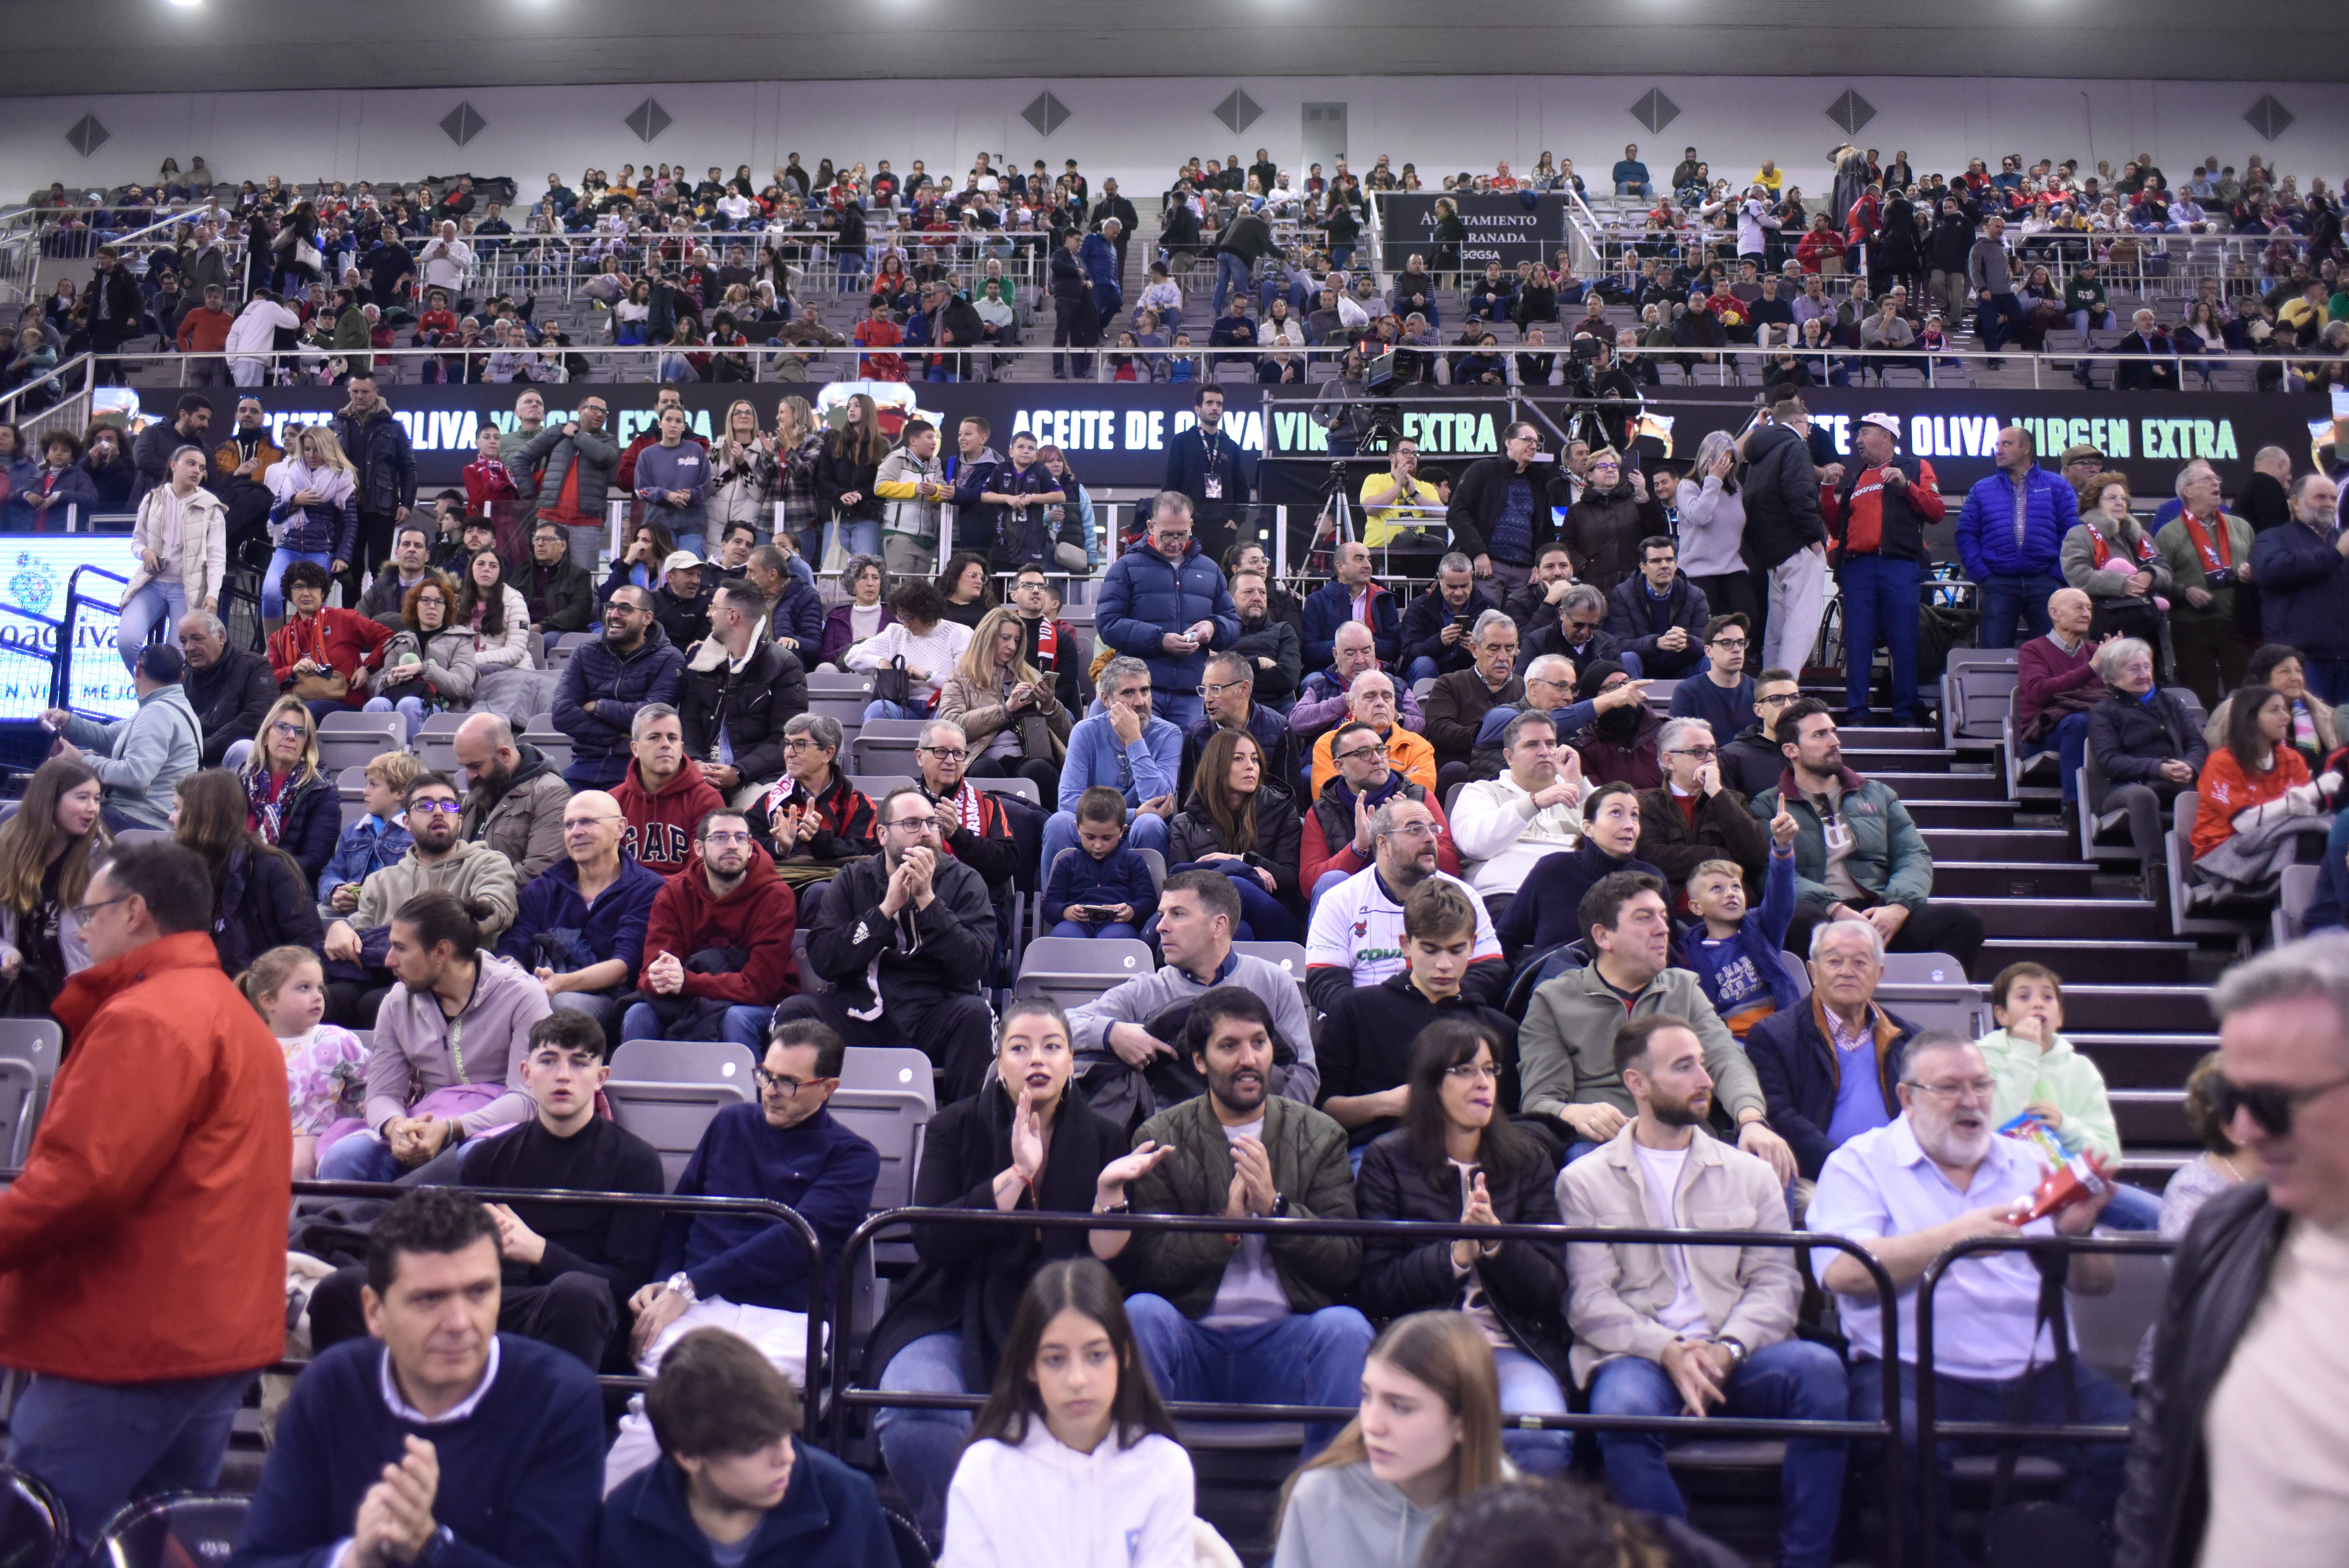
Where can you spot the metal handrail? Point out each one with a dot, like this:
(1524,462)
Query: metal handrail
(782,1213)
(845,1395)
(1931,1429)
(61,666)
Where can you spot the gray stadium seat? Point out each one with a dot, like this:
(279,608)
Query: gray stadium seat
(885,743)
(436,743)
(1024,788)
(354,739)
(1796,971)
(666,1091)
(2289,920)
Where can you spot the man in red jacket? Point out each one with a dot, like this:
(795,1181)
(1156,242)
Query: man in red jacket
(663,795)
(143,1250)
(730,902)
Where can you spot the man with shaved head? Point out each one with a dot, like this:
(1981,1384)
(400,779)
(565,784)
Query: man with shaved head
(581,926)
(514,799)
(2058,686)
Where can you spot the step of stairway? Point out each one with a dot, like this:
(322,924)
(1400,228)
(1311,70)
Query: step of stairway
(2154,963)
(2131,1059)
(2125,918)
(2012,879)
(1936,812)
(1875,762)
(2151,1116)
(1983,844)
(2135,1007)
(1943,786)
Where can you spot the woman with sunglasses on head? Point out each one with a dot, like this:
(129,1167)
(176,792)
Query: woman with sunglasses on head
(291,803)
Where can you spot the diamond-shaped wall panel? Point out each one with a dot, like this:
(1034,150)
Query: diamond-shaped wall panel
(1655,112)
(87,135)
(647,120)
(1851,111)
(1239,111)
(2268,117)
(1046,114)
(463,123)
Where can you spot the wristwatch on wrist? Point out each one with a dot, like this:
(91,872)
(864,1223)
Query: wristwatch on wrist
(436,1546)
(681,1283)
(1737,1351)
(1122,1206)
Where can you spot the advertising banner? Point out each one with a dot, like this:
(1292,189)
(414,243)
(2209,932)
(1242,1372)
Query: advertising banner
(35,570)
(1507,228)
(1115,433)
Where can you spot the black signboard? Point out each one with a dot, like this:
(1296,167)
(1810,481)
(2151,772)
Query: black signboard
(1507,228)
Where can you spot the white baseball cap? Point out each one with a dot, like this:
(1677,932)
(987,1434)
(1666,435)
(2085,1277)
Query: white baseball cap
(1887,423)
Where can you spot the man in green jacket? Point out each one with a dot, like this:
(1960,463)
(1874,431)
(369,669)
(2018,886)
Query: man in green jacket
(1566,1048)
(1857,854)
(1246,1318)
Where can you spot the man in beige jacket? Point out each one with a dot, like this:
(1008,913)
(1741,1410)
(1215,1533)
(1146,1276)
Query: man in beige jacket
(1684,1330)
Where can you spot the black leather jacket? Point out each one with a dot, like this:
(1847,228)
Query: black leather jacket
(2215,1283)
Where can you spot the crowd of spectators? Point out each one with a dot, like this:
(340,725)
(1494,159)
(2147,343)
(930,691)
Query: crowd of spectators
(1577,903)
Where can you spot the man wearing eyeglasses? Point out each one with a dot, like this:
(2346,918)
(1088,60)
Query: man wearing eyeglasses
(2236,1441)
(1578,631)
(1167,605)
(718,943)
(1227,698)
(905,938)
(580,929)
(973,826)
(576,463)
(1357,934)
(1938,1174)
(1372,701)
(605,681)
(739,1272)
(1751,761)
(438,860)
(1721,693)
(1694,817)
(1501,514)
(142,1246)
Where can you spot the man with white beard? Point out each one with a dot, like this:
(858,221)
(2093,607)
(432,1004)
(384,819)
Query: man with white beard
(1938,1174)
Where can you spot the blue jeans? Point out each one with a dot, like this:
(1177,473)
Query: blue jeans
(2094,1470)
(921,1448)
(166,603)
(858,536)
(1144,831)
(851,266)
(1263,917)
(1107,928)
(1303,1358)
(744,1025)
(1995,317)
(1322,884)
(2132,1208)
(1793,1379)
(943,371)
(273,589)
(878,709)
(2071,750)
(1181,709)
(1421,669)
(361,1157)
(1527,1389)
(1231,272)
(2007,599)
(1879,603)
(101,1444)
(410,708)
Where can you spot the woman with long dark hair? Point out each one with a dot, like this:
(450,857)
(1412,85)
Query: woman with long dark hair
(1429,1434)
(260,900)
(845,472)
(1073,1462)
(1032,1142)
(48,851)
(289,802)
(1458,1156)
(2257,776)
(1243,822)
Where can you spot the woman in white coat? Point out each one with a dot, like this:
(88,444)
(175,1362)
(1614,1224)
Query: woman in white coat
(1073,1462)
(181,538)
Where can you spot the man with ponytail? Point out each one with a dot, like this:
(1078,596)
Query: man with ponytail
(450,1043)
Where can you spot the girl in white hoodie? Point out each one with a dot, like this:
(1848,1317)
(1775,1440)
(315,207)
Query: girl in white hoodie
(1429,1434)
(1073,1462)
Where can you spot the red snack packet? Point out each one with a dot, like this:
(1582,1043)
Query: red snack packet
(2076,1181)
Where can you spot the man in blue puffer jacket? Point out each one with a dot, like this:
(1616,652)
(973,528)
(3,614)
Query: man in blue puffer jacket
(1167,605)
(2011,538)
